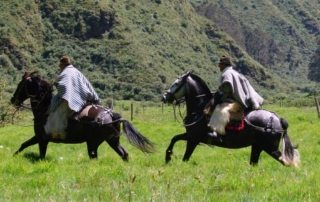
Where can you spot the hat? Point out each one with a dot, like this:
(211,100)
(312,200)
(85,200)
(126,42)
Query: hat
(65,60)
(225,61)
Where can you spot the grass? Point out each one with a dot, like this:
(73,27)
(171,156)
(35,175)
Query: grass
(212,174)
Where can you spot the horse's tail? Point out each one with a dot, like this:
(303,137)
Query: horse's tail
(290,154)
(136,138)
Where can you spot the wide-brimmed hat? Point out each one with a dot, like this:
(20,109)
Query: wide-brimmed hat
(225,60)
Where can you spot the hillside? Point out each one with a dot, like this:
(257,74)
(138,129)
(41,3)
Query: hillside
(134,49)
(283,36)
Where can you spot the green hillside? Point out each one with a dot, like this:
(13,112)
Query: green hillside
(128,49)
(281,35)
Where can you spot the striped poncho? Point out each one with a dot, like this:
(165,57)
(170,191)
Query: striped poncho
(73,87)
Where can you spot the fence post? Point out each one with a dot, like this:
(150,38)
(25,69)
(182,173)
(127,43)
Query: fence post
(162,108)
(131,111)
(317,105)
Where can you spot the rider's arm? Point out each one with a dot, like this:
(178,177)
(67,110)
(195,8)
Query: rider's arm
(226,90)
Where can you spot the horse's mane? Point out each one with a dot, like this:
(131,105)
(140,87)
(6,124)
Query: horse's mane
(43,82)
(202,83)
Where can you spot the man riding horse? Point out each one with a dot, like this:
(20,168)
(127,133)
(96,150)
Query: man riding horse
(74,93)
(235,96)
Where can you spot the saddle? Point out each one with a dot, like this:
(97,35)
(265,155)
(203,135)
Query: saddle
(94,114)
(264,121)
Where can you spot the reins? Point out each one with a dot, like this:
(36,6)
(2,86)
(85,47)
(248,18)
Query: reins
(195,122)
(179,102)
(32,100)
(13,115)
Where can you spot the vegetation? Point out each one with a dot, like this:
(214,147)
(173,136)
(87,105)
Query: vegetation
(132,50)
(281,35)
(212,174)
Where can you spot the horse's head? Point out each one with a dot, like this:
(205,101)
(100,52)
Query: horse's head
(28,87)
(176,90)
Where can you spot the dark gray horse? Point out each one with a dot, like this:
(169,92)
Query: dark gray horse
(40,93)
(263,129)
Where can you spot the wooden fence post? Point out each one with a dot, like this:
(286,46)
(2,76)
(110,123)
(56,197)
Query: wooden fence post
(317,105)
(131,111)
(162,108)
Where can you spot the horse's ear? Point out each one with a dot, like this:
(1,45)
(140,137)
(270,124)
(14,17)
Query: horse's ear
(26,75)
(188,73)
(35,73)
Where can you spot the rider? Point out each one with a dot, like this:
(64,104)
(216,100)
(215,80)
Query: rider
(235,92)
(74,92)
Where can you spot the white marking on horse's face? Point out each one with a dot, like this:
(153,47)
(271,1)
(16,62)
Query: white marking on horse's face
(177,88)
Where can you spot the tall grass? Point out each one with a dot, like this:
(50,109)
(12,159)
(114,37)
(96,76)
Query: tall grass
(212,174)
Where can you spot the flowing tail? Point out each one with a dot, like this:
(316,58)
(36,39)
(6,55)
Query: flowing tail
(136,138)
(290,154)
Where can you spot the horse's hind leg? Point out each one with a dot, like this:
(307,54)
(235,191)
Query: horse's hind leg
(255,154)
(173,141)
(276,154)
(115,145)
(92,150)
(28,143)
(273,150)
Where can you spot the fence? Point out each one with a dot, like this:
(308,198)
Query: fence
(317,105)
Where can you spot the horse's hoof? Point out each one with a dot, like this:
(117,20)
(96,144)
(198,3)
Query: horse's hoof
(126,158)
(168,159)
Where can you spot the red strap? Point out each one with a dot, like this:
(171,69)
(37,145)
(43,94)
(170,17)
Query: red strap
(236,127)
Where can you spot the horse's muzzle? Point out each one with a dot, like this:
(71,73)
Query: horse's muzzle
(15,102)
(164,98)
(167,97)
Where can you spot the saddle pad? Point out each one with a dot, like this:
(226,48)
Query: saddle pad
(236,126)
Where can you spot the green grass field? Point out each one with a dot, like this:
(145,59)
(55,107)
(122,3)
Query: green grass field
(212,174)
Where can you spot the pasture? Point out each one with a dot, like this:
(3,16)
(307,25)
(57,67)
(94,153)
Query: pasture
(212,174)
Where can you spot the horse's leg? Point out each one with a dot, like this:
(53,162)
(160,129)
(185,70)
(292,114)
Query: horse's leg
(43,148)
(191,145)
(276,154)
(92,147)
(173,141)
(28,143)
(255,154)
(273,150)
(115,145)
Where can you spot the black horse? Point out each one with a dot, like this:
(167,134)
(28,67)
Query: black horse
(263,129)
(40,93)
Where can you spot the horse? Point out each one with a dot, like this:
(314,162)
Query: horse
(40,91)
(262,129)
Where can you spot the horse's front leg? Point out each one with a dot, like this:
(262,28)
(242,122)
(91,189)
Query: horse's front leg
(28,143)
(43,145)
(173,141)
(191,145)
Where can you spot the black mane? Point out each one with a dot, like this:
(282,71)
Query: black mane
(202,83)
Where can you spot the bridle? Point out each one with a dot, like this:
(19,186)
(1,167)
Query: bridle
(179,101)
(34,98)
